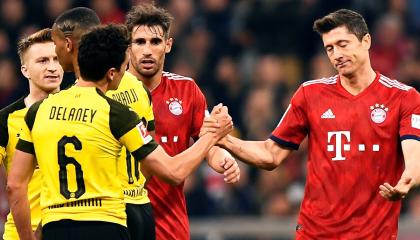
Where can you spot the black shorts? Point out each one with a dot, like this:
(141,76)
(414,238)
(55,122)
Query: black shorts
(84,230)
(140,221)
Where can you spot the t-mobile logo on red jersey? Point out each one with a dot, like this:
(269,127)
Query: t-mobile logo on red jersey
(342,144)
(338,144)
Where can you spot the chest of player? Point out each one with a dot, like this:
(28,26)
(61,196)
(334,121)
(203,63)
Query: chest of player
(360,118)
(174,115)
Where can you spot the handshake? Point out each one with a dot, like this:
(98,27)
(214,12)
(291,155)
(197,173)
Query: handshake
(219,123)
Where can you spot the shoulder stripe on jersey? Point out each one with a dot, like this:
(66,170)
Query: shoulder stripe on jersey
(393,83)
(4,118)
(174,76)
(331,80)
(31,114)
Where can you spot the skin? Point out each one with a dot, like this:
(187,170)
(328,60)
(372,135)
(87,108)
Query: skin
(40,66)
(147,57)
(350,57)
(171,169)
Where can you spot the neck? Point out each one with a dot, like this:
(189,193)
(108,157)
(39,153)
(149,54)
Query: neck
(358,81)
(152,82)
(101,84)
(76,66)
(36,94)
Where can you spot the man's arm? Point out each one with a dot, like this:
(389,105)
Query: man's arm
(262,154)
(223,162)
(410,177)
(23,166)
(174,170)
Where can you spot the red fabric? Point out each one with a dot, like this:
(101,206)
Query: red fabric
(342,199)
(173,94)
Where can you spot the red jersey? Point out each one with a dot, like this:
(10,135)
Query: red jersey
(179,108)
(354,146)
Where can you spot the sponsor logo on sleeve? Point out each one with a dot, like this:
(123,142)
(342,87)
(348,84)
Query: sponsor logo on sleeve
(415,121)
(144,133)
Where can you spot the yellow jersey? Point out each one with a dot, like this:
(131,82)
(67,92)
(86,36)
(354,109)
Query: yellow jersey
(133,93)
(11,122)
(77,136)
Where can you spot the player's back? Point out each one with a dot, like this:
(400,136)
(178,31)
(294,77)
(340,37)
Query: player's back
(75,138)
(132,92)
(11,121)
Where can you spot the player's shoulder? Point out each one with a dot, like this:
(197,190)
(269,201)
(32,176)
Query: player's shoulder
(321,83)
(173,77)
(392,84)
(15,106)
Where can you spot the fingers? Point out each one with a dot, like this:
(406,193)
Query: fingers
(232,173)
(216,109)
(394,193)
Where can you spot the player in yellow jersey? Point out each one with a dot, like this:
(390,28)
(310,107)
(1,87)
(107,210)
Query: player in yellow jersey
(77,136)
(67,31)
(40,66)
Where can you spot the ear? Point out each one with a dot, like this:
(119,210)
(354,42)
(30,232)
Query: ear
(168,46)
(69,45)
(367,41)
(25,71)
(110,74)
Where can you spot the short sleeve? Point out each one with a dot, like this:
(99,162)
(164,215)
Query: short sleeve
(293,126)
(199,111)
(409,125)
(25,142)
(138,141)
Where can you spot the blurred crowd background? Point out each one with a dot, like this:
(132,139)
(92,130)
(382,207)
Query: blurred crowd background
(249,54)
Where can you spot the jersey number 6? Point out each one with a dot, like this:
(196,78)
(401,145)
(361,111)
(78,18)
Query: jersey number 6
(63,161)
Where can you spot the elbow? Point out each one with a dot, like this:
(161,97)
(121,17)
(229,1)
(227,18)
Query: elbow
(176,179)
(12,188)
(270,164)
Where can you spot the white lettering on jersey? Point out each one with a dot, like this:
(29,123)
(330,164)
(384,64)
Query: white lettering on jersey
(415,121)
(338,144)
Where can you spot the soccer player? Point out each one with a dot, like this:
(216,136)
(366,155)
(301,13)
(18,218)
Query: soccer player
(67,31)
(77,136)
(179,107)
(363,130)
(40,66)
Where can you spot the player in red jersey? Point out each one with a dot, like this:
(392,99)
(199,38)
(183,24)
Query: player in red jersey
(363,130)
(179,108)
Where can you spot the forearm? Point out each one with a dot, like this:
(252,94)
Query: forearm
(215,156)
(412,169)
(19,206)
(256,153)
(183,164)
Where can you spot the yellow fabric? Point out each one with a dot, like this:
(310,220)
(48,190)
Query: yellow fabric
(131,92)
(15,121)
(78,129)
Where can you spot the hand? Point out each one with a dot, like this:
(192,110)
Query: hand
(210,123)
(232,171)
(398,192)
(225,120)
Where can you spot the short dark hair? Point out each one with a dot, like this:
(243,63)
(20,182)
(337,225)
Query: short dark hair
(42,36)
(354,22)
(149,15)
(101,49)
(77,18)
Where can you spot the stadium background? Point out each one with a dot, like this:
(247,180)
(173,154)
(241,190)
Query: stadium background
(251,55)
